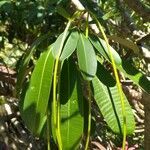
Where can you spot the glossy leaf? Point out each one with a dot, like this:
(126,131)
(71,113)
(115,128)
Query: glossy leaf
(70,45)
(107,97)
(86,58)
(33,109)
(71,100)
(101,47)
(57,44)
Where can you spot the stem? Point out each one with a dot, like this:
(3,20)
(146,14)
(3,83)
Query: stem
(87,26)
(118,84)
(55,100)
(89,116)
(48,131)
(89,93)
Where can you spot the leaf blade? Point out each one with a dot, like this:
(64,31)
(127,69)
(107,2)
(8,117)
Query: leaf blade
(101,46)
(135,75)
(71,117)
(58,44)
(70,45)
(124,66)
(25,61)
(106,95)
(37,96)
(86,58)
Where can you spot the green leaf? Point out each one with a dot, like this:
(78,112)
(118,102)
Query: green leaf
(57,44)
(107,97)
(63,12)
(86,58)
(57,49)
(109,14)
(70,45)
(25,61)
(33,109)
(123,65)
(2,2)
(101,47)
(71,100)
(136,76)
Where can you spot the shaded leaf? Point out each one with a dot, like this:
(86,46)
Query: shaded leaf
(71,100)
(62,12)
(108,99)
(86,58)
(136,76)
(34,107)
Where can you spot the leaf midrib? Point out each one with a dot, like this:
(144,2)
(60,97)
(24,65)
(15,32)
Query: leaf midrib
(41,81)
(85,56)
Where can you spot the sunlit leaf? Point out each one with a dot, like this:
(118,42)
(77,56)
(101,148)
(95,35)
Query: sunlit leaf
(57,44)
(86,58)
(70,45)
(101,47)
(25,61)
(33,109)
(57,50)
(2,2)
(123,65)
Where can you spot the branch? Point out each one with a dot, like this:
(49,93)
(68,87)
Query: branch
(139,8)
(79,6)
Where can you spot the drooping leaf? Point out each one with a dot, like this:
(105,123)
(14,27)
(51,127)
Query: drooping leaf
(101,47)
(58,44)
(71,100)
(86,58)
(135,75)
(33,109)
(107,97)
(70,45)
(25,61)
(126,43)
(123,65)
(57,50)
